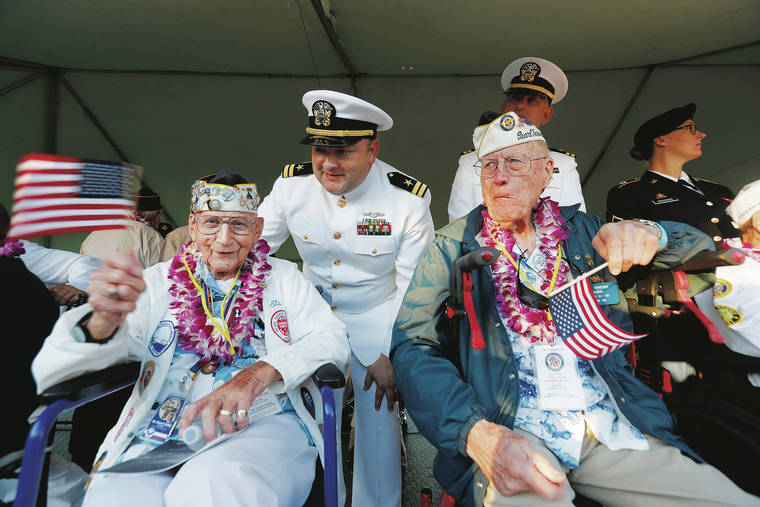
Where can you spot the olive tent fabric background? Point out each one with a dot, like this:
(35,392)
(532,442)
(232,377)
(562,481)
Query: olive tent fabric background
(185,88)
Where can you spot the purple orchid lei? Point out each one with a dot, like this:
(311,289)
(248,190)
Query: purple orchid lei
(11,248)
(195,330)
(531,323)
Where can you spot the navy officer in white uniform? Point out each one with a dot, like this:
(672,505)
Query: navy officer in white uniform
(360,227)
(531,86)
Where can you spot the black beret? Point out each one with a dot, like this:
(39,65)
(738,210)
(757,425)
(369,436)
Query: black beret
(225,178)
(659,125)
(147,200)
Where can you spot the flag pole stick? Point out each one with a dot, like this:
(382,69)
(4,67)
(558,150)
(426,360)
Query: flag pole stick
(576,280)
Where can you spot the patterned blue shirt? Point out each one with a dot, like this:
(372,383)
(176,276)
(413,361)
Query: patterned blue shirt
(563,431)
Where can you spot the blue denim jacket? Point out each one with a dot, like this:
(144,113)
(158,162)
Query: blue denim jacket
(446,397)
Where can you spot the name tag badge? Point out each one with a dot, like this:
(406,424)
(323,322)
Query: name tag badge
(165,419)
(665,200)
(558,381)
(606,293)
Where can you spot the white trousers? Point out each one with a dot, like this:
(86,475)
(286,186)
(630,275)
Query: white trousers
(269,464)
(377,447)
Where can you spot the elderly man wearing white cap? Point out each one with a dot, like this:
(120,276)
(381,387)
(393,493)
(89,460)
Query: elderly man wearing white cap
(517,418)
(532,86)
(219,326)
(734,302)
(360,226)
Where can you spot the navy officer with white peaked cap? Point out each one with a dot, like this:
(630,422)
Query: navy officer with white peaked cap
(531,86)
(360,227)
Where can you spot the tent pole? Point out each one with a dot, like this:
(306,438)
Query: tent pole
(21,82)
(619,124)
(88,112)
(337,45)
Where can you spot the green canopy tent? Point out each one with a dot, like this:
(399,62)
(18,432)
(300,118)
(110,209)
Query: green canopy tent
(185,88)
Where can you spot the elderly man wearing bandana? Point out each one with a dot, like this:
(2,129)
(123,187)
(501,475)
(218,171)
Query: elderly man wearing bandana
(226,335)
(506,431)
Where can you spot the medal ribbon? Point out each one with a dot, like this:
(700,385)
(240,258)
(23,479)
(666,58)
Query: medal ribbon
(224,328)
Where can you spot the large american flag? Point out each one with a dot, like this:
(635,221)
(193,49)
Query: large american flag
(55,195)
(583,325)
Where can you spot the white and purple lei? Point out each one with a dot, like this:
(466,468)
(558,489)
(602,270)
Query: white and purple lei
(195,330)
(531,323)
(11,248)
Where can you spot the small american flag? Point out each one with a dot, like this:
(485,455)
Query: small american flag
(56,195)
(583,325)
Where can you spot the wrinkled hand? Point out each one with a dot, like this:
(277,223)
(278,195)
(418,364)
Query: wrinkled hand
(381,373)
(511,463)
(236,394)
(626,243)
(114,289)
(65,295)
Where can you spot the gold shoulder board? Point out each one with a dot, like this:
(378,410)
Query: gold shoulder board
(297,169)
(407,183)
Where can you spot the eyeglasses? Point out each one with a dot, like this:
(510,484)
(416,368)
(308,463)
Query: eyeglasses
(690,127)
(516,165)
(210,224)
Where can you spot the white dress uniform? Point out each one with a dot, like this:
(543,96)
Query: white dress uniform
(55,267)
(467,193)
(360,250)
(223,474)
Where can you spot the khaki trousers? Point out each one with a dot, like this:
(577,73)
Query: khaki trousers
(659,477)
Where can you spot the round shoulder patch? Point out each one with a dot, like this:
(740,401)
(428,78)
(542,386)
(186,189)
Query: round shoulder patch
(162,337)
(730,315)
(279,324)
(147,373)
(721,288)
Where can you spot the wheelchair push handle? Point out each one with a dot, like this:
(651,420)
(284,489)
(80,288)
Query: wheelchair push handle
(478,258)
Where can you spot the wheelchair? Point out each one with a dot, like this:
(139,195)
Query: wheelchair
(716,410)
(82,390)
(720,425)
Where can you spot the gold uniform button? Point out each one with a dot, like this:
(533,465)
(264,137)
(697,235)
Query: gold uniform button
(335,285)
(333,308)
(341,203)
(374,250)
(717,238)
(709,203)
(305,236)
(336,235)
(715,220)
(336,262)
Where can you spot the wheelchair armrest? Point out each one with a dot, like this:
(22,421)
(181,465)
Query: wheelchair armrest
(92,383)
(709,259)
(329,375)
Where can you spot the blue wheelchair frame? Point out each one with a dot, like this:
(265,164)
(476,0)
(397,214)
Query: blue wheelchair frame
(82,390)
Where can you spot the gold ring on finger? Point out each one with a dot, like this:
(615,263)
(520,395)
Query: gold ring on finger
(225,412)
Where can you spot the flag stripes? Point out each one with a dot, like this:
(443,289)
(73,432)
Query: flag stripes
(582,324)
(55,195)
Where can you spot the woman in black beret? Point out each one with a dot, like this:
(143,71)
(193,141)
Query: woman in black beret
(665,144)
